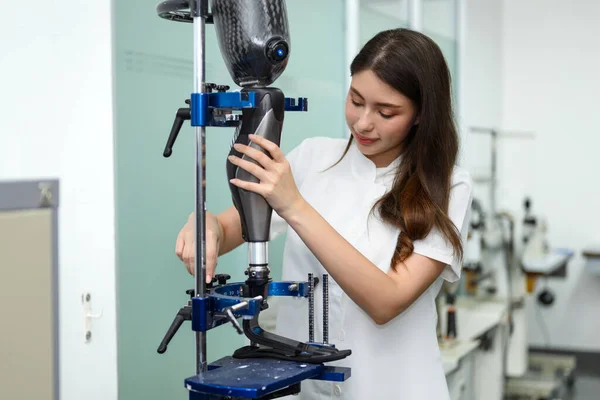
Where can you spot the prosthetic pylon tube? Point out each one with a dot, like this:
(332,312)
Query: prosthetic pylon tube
(265,120)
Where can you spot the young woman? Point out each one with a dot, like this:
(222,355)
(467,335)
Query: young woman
(384,214)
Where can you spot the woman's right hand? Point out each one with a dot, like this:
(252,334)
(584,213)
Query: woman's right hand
(185,247)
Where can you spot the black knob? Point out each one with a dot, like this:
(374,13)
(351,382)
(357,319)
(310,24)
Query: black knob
(222,278)
(209,87)
(546,297)
(218,279)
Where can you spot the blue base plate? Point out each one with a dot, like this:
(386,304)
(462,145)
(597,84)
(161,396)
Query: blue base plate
(258,377)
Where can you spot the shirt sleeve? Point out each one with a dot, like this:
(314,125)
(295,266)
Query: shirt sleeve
(435,245)
(278,224)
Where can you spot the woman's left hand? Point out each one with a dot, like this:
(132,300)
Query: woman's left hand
(276,182)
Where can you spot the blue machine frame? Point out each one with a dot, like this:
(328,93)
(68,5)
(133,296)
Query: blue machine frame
(249,378)
(229,378)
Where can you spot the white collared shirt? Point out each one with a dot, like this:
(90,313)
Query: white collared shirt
(398,360)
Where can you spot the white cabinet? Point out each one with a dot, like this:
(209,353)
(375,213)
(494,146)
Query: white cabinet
(460,381)
(459,359)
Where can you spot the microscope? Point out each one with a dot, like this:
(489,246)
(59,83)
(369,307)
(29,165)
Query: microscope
(254,41)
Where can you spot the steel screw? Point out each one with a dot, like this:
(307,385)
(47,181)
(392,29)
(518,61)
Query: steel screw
(325,308)
(311,309)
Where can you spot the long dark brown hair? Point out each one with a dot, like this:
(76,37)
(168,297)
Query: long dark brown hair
(414,65)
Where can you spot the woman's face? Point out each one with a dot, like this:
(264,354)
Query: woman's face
(379,117)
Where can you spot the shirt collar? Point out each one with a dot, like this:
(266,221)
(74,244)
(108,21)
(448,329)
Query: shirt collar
(364,168)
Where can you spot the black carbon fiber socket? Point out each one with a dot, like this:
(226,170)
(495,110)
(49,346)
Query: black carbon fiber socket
(253,38)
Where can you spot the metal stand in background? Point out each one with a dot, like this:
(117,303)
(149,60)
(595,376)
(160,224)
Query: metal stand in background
(474,272)
(498,217)
(549,376)
(493,178)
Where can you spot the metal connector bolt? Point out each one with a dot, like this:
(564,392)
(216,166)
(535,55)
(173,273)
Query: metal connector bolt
(325,308)
(311,309)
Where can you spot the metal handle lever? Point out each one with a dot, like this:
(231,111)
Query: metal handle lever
(88,315)
(184,314)
(236,307)
(233,320)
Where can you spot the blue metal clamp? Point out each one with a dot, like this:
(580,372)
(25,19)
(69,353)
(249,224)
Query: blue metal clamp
(208,312)
(202,105)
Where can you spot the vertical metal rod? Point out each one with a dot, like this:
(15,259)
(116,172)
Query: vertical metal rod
(494,167)
(325,308)
(200,267)
(311,309)
(494,176)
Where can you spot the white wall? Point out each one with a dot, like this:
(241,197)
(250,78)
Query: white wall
(551,86)
(57,121)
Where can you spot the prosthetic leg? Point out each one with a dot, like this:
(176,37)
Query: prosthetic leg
(255,44)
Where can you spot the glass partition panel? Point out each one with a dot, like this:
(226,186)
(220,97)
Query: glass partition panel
(440,23)
(379,15)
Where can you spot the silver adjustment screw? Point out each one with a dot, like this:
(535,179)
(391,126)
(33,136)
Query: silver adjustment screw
(311,309)
(325,308)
